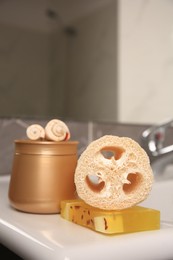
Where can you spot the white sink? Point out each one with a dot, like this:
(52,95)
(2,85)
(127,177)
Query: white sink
(34,236)
(161,198)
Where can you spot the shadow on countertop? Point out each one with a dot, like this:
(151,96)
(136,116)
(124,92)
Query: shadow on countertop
(5,253)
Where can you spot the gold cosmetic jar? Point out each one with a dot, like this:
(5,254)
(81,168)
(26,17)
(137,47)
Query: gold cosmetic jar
(42,175)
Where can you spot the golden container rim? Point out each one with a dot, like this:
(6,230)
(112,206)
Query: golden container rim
(45,147)
(25,141)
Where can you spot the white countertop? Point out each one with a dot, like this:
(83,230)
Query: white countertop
(34,236)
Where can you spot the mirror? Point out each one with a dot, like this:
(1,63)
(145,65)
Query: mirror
(95,60)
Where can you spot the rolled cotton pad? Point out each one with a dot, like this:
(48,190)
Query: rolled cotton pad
(35,132)
(113,173)
(57,130)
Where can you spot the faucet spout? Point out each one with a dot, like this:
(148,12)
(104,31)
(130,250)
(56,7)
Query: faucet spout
(153,139)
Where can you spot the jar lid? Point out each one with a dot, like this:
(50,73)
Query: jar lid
(45,147)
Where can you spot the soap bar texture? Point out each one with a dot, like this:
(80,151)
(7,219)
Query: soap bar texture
(129,220)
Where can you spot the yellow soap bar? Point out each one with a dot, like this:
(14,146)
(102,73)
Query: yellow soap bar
(133,219)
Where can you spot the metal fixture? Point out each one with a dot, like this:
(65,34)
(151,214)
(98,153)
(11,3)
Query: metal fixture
(153,141)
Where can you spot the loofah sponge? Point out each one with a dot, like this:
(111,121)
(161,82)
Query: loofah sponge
(113,173)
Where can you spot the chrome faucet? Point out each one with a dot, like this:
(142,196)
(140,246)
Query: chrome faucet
(152,141)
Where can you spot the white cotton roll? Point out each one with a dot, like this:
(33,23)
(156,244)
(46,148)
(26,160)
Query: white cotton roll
(57,130)
(35,132)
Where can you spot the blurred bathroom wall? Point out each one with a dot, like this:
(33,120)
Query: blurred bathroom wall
(92,66)
(58,58)
(95,60)
(145,61)
(28,60)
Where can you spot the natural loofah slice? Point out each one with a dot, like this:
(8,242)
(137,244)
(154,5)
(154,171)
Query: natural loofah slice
(113,173)
(35,132)
(57,130)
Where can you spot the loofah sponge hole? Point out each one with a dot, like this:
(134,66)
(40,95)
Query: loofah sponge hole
(94,182)
(135,180)
(109,152)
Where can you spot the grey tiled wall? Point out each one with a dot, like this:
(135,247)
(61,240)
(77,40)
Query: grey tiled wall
(83,132)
